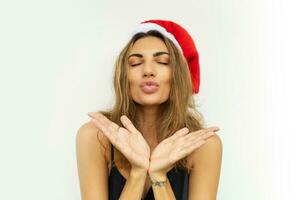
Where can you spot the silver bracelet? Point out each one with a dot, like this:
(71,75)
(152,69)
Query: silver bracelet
(159,183)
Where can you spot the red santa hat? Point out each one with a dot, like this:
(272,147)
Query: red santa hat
(182,39)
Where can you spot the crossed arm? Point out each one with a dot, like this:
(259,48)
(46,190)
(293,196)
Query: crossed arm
(93,172)
(204,177)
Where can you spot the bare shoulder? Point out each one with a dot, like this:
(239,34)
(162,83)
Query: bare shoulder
(205,173)
(91,135)
(92,162)
(211,149)
(213,143)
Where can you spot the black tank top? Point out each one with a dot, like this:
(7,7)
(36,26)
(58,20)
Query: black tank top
(178,179)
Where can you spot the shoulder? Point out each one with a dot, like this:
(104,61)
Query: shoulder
(89,134)
(91,162)
(211,150)
(206,168)
(213,143)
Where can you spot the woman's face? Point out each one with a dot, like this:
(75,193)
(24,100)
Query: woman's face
(148,60)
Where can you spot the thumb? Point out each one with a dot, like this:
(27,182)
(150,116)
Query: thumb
(128,124)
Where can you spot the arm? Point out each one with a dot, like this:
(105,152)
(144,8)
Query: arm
(131,143)
(163,191)
(93,171)
(91,164)
(134,186)
(170,150)
(204,177)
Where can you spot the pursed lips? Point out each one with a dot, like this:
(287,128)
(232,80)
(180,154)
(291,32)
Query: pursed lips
(149,83)
(149,86)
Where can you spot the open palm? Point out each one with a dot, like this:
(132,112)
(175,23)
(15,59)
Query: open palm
(129,141)
(176,147)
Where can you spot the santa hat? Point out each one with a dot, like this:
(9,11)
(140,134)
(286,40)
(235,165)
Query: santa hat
(182,39)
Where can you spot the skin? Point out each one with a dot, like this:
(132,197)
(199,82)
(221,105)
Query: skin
(149,67)
(140,147)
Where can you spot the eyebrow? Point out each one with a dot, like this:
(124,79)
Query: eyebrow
(154,55)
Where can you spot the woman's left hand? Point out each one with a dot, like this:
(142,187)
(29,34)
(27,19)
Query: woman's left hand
(176,147)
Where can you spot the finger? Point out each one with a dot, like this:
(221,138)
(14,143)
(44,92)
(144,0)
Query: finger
(194,146)
(179,133)
(213,128)
(98,121)
(201,131)
(210,129)
(112,136)
(106,122)
(101,126)
(207,135)
(206,131)
(196,138)
(113,126)
(188,149)
(188,138)
(191,136)
(128,124)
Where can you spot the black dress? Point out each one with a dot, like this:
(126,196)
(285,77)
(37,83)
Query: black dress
(178,179)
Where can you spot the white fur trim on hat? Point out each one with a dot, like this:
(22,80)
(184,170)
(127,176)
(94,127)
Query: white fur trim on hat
(144,27)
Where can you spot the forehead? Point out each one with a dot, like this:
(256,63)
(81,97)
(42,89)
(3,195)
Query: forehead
(148,44)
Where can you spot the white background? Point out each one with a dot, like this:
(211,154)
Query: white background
(57,58)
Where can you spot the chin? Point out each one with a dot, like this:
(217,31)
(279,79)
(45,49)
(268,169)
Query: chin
(155,98)
(150,100)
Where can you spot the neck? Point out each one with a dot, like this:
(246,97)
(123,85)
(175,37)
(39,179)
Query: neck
(147,116)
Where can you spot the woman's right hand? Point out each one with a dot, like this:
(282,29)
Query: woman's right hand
(129,141)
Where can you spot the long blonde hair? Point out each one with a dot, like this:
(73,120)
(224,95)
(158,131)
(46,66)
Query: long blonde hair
(177,112)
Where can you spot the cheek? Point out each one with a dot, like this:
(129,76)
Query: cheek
(167,78)
(132,77)
(166,82)
(133,84)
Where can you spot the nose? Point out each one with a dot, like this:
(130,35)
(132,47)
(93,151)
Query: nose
(149,69)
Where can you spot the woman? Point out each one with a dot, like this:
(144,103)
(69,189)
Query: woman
(152,144)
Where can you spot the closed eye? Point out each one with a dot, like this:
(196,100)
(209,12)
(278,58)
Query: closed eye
(135,64)
(157,62)
(163,63)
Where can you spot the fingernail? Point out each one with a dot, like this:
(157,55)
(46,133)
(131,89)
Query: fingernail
(92,116)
